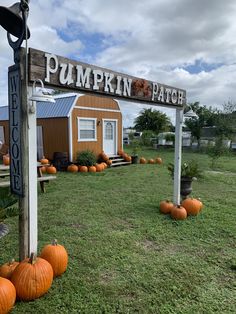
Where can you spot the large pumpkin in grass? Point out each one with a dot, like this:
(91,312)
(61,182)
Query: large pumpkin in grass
(7,295)
(159,160)
(83,169)
(7,269)
(192,206)
(57,256)
(166,207)
(178,212)
(92,169)
(72,168)
(99,167)
(142,160)
(151,161)
(32,278)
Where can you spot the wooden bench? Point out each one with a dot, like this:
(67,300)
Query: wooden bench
(41,180)
(4,174)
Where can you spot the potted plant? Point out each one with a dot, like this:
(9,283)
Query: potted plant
(135,145)
(6,201)
(189,172)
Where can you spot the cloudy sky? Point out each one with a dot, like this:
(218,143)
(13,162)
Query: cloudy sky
(190,44)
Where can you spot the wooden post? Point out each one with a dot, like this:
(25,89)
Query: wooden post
(178,155)
(33,191)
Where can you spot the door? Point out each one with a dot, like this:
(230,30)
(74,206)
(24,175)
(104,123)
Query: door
(110,137)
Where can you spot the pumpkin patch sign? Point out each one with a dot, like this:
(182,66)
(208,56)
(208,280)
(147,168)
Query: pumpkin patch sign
(63,73)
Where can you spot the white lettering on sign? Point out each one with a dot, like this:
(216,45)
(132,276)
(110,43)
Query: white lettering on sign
(104,81)
(63,78)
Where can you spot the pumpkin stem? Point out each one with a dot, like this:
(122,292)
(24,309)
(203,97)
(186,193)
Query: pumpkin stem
(54,242)
(32,259)
(11,262)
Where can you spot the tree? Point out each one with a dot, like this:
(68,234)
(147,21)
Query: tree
(153,120)
(206,117)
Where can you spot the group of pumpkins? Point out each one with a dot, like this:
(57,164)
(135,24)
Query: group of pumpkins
(31,278)
(157,160)
(188,207)
(98,167)
(47,167)
(124,155)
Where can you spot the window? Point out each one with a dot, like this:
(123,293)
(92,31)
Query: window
(87,129)
(109,131)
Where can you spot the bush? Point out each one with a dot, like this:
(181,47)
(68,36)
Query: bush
(86,158)
(217,151)
(147,137)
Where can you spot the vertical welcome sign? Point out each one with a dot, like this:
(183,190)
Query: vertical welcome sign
(14,98)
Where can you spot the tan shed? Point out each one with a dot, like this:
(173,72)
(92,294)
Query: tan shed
(74,123)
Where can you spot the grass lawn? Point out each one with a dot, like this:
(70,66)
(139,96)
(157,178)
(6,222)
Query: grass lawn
(126,257)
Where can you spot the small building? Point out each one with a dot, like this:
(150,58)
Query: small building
(74,123)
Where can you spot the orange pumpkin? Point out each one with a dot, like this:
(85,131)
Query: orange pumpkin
(92,169)
(83,169)
(43,169)
(72,168)
(166,206)
(6,160)
(103,156)
(128,158)
(200,204)
(7,269)
(105,165)
(99,167)
(44,161)
(7,295)
(178,212)
(57,256)
(109,162)
(159,160)
(142,160)
(192,206)
(151,161)
(120,152)
(32,278)
(51,169)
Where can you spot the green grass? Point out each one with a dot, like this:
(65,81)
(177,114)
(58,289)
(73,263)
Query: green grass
(124,256)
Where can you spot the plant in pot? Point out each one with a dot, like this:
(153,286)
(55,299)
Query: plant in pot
(6,209)
(135,146)
(189,172)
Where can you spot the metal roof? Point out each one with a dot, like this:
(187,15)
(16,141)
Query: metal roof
(4,113)
(61,108)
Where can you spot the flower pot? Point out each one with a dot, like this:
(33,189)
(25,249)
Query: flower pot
(186,186)
(134,159)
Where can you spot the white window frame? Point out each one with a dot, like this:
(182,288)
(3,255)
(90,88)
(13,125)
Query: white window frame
(87,139)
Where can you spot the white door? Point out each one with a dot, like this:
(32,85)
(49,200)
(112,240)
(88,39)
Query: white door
(109,137)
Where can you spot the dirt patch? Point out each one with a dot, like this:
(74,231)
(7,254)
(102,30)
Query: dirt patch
(107,277)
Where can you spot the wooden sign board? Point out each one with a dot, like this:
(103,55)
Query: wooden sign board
(59,72)
(14,96)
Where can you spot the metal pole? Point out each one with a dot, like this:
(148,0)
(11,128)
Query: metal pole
(178,155)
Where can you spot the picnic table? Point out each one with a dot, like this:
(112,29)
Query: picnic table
(42,179)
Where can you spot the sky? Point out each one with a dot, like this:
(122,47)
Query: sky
(188,44)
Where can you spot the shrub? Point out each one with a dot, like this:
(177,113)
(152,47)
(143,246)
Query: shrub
(217,151)
(86,158)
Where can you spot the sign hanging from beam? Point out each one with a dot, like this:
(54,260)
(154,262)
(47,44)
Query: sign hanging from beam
(59,72)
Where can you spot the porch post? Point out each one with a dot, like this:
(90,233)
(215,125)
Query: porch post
(178,155)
